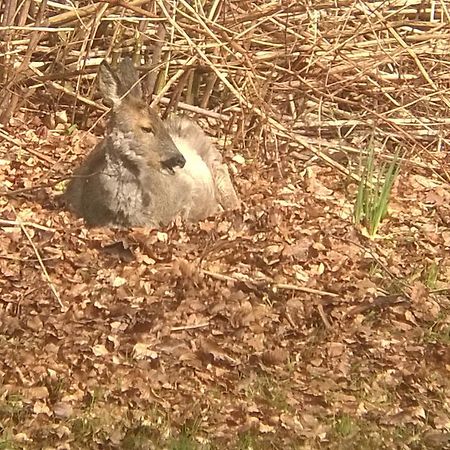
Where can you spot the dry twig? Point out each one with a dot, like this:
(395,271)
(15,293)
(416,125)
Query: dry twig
(41,263)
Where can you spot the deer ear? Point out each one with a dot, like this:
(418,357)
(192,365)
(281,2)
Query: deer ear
(109,85)
(129,78)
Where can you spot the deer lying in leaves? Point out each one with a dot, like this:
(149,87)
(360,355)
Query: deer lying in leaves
(146,171)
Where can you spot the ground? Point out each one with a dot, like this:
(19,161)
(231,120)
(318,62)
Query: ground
(274,327)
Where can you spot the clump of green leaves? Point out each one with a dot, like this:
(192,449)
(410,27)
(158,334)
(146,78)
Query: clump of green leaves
(374,189)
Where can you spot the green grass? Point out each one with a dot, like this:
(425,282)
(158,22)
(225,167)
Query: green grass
(438,333)
(184,442)
(138,437)
(352,433)
(56,388)
(270,391)
(374,190)
(100,423)
(251,440)
(431,275)
(345,426)
(12,409)
(6,442)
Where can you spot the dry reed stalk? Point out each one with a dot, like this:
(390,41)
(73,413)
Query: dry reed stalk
(286,76)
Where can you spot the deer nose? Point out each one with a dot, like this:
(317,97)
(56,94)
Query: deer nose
(175,161)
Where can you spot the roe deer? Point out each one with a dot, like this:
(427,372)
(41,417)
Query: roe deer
(145,171)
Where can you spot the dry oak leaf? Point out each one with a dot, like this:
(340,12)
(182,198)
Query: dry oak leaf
(41,408)
(436,439)
(143,351)
(256,342)
(314,186)
(118,281)
(63,410)
(99,350)
(22,438)
(446,236)
(35,323)
(210,348)
(185,269)
(408,415)
(275,357)
(424,306)
(263,428)
(36,393)
(335,349)
(442,422)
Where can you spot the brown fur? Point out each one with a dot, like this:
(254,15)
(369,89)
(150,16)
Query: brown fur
(146,172)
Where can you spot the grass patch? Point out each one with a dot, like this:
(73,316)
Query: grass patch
(438,333)
(353,434)
(145,436)
(56,388)
(139,437)
(252,440)
(431,275)
(345,426)
(6,442)
(269,391)
(374,190)
(183,442)
(12,409)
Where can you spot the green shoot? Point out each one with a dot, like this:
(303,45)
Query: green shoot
(374,191)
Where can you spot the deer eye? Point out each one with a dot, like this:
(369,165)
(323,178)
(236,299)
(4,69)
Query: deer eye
(147,129)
